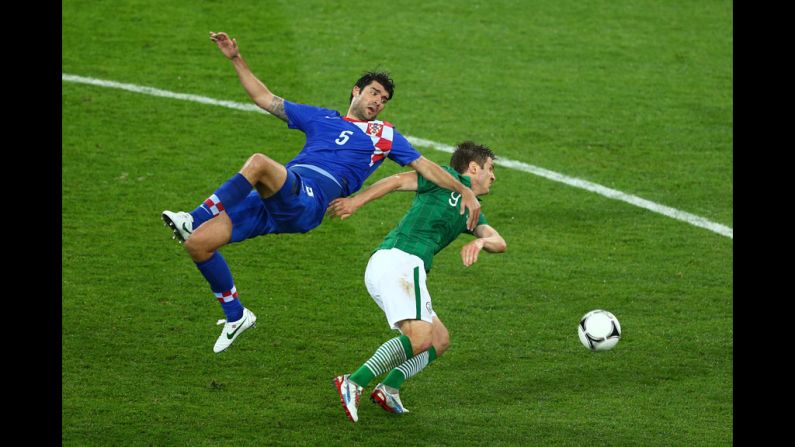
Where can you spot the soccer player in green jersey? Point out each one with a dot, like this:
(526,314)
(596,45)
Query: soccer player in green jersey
(396,273)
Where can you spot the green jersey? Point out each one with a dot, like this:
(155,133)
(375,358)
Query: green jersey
(432,222)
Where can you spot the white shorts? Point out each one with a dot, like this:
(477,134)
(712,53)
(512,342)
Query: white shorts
(396,281)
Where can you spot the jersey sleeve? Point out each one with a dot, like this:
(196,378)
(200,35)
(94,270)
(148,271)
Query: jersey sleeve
(402,151)
(481,221)
(299,116)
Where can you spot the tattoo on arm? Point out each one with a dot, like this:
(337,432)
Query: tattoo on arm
(277,108)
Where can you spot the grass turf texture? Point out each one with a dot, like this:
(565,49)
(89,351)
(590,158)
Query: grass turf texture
(632,95)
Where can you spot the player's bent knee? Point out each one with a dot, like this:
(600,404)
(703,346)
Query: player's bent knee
(265,174)
(257,160)
(419,332)
(261,164)
(198,250)
(420,343)
(441,345)
(208,238)
(441,339)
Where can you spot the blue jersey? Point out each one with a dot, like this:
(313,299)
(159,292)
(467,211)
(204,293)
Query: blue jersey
(347,149)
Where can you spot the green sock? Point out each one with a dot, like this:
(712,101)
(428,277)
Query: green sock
(409,368)
(387,356)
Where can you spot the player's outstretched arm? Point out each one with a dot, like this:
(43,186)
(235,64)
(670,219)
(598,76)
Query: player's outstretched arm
(344,207)
(487,239)
(258,92)
(443,179)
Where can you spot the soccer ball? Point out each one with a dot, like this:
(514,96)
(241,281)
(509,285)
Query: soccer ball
(599,330)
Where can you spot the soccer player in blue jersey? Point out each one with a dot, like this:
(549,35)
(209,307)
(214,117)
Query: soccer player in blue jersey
(266,197)
(396,273)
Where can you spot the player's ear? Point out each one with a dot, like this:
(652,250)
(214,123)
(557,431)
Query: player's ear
(473,167)
(354,92)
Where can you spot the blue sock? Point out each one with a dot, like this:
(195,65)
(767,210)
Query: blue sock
(217,273)
(200,216)
(227,195)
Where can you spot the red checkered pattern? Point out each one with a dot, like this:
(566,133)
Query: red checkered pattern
(227,296)
(213,203)
(381,132)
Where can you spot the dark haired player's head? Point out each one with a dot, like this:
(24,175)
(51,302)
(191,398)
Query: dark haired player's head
(467,152)
(379,76)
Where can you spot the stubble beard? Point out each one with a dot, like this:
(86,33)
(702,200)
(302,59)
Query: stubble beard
(359,112)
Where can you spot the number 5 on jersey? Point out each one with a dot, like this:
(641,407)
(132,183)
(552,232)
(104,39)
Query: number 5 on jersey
(345,135)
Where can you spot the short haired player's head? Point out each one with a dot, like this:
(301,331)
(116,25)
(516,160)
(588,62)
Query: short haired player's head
(370,94)
(381,77)
(467,152)
(476,161)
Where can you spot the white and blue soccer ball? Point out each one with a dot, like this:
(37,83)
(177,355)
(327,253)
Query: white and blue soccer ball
(599,330)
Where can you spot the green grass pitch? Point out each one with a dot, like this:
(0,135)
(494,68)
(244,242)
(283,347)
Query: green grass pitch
(632,95)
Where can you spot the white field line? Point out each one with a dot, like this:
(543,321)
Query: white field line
(551,175)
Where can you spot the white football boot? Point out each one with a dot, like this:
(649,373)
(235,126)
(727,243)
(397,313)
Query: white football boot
(388,400)
(181,224)
(234,329)
(349,396)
